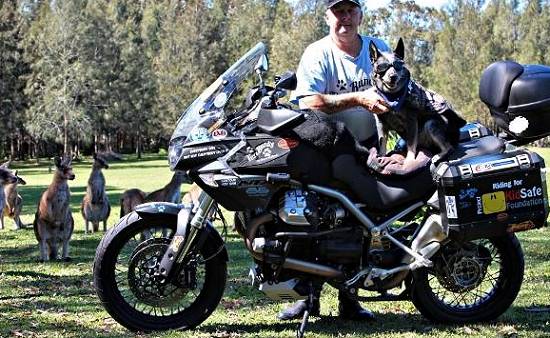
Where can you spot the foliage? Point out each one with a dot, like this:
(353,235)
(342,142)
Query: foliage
(117,74)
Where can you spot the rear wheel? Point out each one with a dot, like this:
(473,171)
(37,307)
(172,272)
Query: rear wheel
(470,282)
(135,296)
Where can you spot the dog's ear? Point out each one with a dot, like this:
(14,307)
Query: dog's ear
(400,49)
(57,161)
(374,53)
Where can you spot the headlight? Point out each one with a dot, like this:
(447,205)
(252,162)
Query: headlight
(174,151)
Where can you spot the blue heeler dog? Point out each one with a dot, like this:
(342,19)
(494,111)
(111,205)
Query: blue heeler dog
(423,118)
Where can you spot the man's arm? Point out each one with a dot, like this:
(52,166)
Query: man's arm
(329,104)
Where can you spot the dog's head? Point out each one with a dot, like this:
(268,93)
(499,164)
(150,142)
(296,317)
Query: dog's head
(389,73)
(64,167)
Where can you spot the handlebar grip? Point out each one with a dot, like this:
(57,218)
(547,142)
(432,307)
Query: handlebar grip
(277,177)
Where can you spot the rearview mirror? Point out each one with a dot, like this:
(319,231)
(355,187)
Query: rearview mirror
(286,81)
(262,65)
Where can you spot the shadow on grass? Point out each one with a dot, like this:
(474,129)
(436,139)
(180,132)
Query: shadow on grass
(81,250)
(385,323)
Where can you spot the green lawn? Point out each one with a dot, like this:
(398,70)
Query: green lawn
(57,299)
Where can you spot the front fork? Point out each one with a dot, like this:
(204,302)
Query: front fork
(189,237)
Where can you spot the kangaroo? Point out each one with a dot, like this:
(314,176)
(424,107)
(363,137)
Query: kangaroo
(95,205)
(53,222)
(6,178)
(14,202)
(169,193)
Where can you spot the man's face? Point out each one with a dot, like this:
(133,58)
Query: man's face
(344,19)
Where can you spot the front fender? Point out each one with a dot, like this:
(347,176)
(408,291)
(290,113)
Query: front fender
(153,209)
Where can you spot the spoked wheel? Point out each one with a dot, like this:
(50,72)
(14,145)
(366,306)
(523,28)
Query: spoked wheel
(135,295)
(470,282)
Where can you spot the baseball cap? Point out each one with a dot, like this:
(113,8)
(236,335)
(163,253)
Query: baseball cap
(331,3)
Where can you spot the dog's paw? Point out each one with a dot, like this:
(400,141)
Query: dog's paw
(66,259)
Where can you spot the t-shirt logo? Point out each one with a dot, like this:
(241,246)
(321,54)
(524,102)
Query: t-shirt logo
(342,85)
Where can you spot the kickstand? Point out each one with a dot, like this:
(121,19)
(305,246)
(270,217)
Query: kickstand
(302,328)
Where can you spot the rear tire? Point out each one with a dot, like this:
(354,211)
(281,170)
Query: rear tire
(465,287)
(128,291)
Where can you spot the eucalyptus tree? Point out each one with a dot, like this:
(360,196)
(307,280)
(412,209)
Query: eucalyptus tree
(55,84)
(134,83)
(12,71)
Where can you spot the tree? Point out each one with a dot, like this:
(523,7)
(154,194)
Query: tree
(13,68)
(55,85)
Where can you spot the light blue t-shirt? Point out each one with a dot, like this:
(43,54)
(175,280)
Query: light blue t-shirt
(325,69)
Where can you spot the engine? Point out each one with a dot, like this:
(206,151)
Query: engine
(310,235)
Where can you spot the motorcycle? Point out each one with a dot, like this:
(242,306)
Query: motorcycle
(446,243)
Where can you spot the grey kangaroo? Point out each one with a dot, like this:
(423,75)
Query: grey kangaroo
(421,117)
(95,205)
(53,222)
(169,193)
(6,178)
(14,202)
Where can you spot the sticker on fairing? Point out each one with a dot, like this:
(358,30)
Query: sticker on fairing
(450,206)
(493,202)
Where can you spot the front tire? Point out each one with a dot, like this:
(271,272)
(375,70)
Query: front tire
(131,293)
(470,282)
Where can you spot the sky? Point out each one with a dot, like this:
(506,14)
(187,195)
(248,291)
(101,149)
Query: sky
(379,3)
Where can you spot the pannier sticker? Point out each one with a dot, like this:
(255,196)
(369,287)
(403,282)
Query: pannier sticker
(467,193)
(518,125)
(450,206)
(493,202)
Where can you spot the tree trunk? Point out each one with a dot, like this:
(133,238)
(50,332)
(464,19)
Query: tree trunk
(12,148)
(138,145)
(96,150)
(65,133)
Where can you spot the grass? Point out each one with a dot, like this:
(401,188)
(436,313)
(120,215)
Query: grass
(57,299)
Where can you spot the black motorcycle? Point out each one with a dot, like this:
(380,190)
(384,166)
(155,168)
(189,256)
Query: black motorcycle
(440,237)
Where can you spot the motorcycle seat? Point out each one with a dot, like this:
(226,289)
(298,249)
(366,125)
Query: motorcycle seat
(496,82)
(381,193)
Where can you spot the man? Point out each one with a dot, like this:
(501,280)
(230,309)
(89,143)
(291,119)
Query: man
(333,75)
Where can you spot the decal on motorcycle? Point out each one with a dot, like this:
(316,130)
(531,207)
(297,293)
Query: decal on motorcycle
(176,242)
(257,191)
(525,204)
(199,134)
(265,149)
(467,193)
(493,202)
(450,205)
(479,205)
(203,151)
(288,143)
(219,134)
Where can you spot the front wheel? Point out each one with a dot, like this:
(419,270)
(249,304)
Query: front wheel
(470,282)
(125,277)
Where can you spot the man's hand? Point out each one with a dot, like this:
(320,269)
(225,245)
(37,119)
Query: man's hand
(373,102)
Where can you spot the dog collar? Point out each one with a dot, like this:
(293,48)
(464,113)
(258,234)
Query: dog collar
(396,104)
